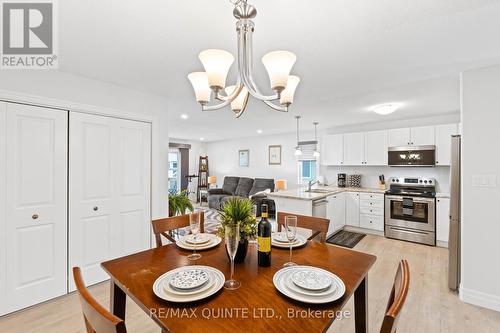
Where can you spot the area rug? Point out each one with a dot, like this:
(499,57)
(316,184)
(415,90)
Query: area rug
(212,222)
(345,238)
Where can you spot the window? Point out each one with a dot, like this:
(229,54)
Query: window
(173,172)
(307,171)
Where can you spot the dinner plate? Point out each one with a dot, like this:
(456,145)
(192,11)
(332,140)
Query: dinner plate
(279,283)
(211,281)
(159,290)
(298,242)
(188,278)
(289,283)
(280,237)
(311,278)
(200,239)
(214,241)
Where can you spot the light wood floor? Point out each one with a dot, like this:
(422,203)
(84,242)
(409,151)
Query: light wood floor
(430,306)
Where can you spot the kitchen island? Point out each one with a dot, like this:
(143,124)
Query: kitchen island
(351,208)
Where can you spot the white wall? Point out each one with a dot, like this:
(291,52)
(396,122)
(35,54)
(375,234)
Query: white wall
(197,149)
(224,160)
(480,157)
(63,89)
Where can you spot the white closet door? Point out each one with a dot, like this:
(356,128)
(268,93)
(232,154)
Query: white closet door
(109,191)
(36,205)
(3,130)
(91,207)
(132,225)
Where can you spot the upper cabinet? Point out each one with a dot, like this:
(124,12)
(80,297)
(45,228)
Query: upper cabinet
(376,148)
(332,151)
(354,149)
(370,148)
(399,137)
(443,143)
(422,136)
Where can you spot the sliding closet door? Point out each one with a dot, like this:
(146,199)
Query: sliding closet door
(109,191)
(36,204)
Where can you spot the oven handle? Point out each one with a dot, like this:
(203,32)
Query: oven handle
(408,231)
(421,200)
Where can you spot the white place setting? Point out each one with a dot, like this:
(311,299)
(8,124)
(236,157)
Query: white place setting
(309,284)
(280,240)
(202,241)
(189,283)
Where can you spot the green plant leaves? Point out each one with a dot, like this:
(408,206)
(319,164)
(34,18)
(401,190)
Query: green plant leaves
(237,210)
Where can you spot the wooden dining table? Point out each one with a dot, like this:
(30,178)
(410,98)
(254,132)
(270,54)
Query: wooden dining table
(257,306)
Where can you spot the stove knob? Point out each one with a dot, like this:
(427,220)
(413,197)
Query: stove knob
(393,180)
(425,181)
(397,180)
(420,181)
(430,181)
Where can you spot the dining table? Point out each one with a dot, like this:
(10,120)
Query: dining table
(257,306)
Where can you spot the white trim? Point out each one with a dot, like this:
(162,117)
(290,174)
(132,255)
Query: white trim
(442,244)
(479,298)
(15,97)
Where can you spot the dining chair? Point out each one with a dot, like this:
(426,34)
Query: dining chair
(318,225)
(161,227)
(397,298)
(97,319)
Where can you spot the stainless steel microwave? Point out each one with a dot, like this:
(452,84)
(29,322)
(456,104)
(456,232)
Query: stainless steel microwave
(412,156)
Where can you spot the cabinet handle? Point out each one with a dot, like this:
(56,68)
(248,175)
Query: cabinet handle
(96,209)
(34,216)
(437,162)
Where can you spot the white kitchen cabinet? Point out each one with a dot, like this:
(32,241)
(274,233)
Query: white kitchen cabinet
(371,211)
(110,189)
(373,222)
(352,209)
(443,143)
(335,211)
(33,150)
(442,219)
(421,136)
(375,148)
(399,137)
(354,149)
(333,149)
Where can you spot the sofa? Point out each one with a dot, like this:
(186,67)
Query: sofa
(242,187)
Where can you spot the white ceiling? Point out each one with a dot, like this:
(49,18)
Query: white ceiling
(352,54)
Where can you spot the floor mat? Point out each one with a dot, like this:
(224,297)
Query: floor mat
(346,238)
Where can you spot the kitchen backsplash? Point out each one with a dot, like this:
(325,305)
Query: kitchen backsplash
(369,174)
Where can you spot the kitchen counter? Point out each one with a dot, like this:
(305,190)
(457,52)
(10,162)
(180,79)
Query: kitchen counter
(301,194)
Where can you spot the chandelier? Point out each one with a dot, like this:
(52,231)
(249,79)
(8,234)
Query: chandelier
(212,82)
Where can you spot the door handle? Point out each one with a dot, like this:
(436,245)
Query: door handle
(34,216)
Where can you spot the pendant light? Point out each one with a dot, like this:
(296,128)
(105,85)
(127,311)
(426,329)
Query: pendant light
(316,151)
(298,150)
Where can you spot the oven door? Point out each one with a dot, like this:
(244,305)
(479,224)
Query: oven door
(410,212)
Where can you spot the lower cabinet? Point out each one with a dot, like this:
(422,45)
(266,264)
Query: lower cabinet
(335,211)
(371,209)
(442,220)
(352,209)
(371,222)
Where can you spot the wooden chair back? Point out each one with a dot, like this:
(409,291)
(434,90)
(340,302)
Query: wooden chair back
(97,318)
(161,227)
(318,225)
(397,298)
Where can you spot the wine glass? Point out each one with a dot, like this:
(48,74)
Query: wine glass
(194,223)
(291,232)
(232,235)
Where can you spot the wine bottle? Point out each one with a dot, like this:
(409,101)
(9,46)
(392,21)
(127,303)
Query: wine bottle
(264,239)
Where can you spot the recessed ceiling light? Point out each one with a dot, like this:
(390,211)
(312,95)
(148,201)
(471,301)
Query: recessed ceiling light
(202,139)
(184,116)
(385,109)
(259,131)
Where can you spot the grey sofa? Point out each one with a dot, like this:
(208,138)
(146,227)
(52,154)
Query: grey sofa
(242,187)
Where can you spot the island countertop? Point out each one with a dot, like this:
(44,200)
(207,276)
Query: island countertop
(302,194)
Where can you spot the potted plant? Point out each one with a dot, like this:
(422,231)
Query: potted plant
(238,210)
(178,203)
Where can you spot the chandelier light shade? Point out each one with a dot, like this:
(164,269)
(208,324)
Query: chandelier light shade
(240,102)
(278,65)
(199,81)
(218,62)
(289,92)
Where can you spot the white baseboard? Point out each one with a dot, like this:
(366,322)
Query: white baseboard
(442,244)
(479,298)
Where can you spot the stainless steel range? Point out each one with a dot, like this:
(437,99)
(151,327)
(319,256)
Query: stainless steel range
(410,210)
